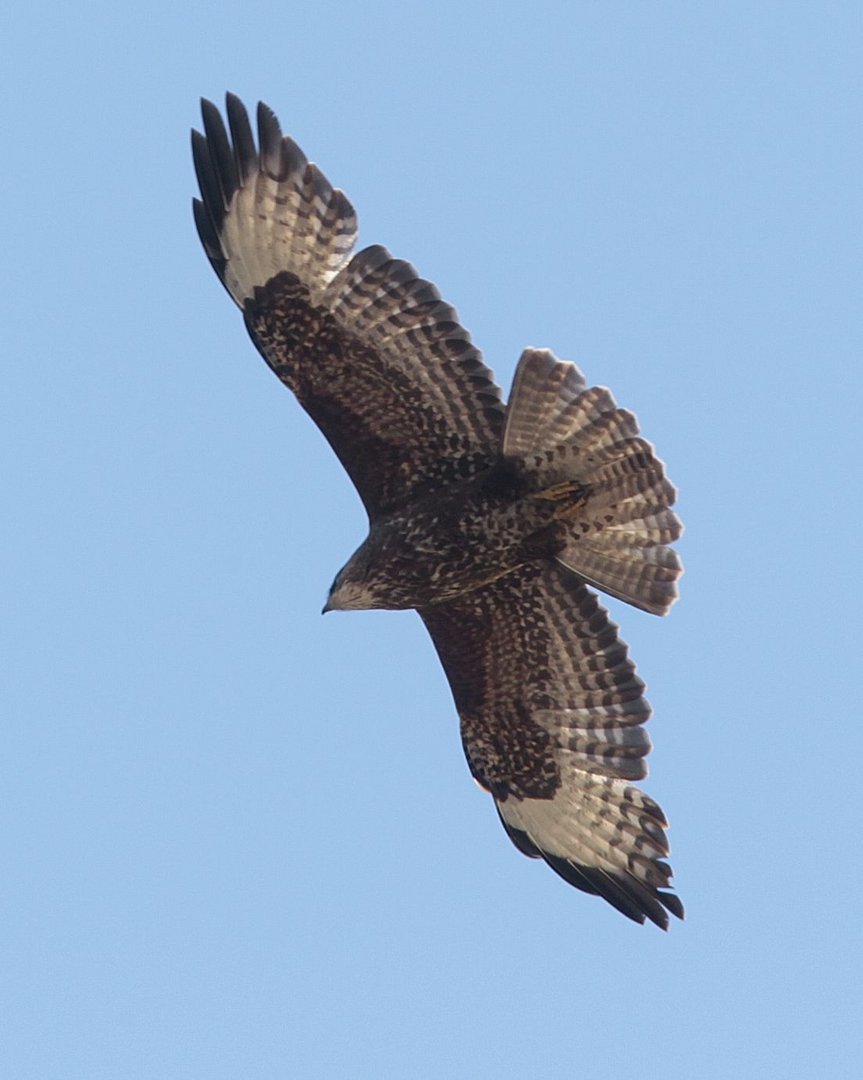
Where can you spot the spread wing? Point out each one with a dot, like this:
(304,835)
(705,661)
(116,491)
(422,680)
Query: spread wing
(551,714)
(374,355)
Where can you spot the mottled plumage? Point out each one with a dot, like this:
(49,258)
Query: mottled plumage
(490,519)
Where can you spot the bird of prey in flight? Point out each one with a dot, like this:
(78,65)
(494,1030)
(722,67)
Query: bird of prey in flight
(495,521)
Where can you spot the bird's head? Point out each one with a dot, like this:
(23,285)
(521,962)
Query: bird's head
(349,596)
(354,586)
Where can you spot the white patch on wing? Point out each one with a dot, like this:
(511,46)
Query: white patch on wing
(261,238)
(591,820)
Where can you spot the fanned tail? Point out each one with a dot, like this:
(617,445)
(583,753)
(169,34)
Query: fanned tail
(569,439)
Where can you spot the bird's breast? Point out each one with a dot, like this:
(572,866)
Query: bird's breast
(451,545)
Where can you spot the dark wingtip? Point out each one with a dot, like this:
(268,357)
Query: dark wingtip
(269,142)
(211,191)
(205,104)
(629,896)
(221,154)
(673,903)
(245,151)
(217,177)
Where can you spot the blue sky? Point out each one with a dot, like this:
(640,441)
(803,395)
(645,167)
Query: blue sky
(239,839)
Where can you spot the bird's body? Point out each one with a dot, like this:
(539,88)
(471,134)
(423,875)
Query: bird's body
(455,540)
(490,520)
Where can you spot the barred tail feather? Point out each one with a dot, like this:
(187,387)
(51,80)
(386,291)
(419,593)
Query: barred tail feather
(616,535)
(643,577)
(542,392)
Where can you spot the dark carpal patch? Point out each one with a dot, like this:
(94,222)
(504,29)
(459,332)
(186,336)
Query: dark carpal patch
(386,432)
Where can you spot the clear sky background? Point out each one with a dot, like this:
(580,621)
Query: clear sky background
(239,839)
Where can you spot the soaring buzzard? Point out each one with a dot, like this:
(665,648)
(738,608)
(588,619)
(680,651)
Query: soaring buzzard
(491,520)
